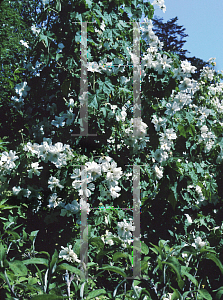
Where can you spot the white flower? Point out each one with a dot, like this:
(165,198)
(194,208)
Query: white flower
(71,103)
(139,127)
(160,155)
(70,209)
(25,44)
(189,219)
(94,169)
(84,185)
(102,27)
(113,108)
(8,159)
(158,171)
(16,190)
(114,190)
(169,295)
(198,243)
(171,135)
(31,148)
(187,67)
(172,108)
(93,67)
(158,122)
(113,173)
(26,193)
(107,238)
(59,122)
(104,161)
(22,89)
(68,254)
(122,116)
(53,183)
(204,129)
(69,116)
(161,4)
(54,201)
(17,101)
(34,169)
(124,229)
(83,99)
(35,30)
(185,84)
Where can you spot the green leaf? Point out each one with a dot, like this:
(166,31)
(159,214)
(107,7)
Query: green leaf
(144,265)
(191,277)
(204,293)
(48,297)
(95,293)
(58,5)
(182,130)
(53,262)
(2,253)
(40,275)
(157,250)
(175,265)
(32,261)
(118,255)
(171,198)
(33,235)
(97,242)
(219,293)
(176,295)
(93,102)
(115,270)
(44,38)
(65,86)
(103,109)
(18,267)
(215,260)
(144,248)
(65,266)
(89,3)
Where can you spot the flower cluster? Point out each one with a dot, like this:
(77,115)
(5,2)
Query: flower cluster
(7,161)
(135,134)
(21,89)
(83,183)
(207,137)
(57,154)
(92,171)
(196,191)
(124,231)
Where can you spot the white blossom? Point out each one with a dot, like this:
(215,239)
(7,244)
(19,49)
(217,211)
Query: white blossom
(22,89)
(53,182)
(68,254)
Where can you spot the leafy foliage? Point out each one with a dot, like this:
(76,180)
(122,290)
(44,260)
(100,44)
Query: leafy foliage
(49,169)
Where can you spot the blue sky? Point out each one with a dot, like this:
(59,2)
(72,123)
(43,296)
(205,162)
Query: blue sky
(203,20)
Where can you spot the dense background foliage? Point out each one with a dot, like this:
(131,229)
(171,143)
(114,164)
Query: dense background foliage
(42,184)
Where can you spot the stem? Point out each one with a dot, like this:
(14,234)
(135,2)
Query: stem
(68,280)
(68,283)
(9,285)
(94,83)
(195,276)
(164,280)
